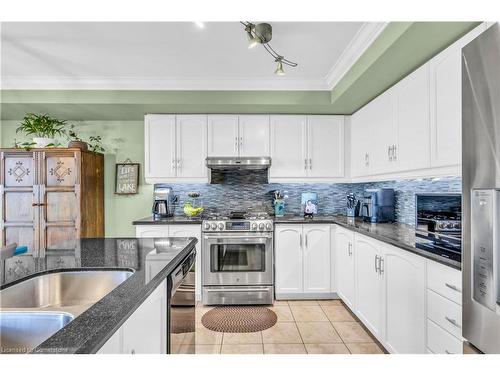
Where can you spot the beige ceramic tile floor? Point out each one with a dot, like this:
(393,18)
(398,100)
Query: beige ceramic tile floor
(303,327)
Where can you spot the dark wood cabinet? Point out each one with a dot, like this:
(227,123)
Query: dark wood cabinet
(51,197)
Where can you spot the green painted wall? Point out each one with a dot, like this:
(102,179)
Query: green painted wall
(122,140)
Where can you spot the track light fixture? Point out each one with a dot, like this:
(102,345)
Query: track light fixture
(262,33)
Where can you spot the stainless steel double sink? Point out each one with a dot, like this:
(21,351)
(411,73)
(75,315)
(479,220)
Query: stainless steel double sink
(33,310)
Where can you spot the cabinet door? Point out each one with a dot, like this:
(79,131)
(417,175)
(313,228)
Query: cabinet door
(145,331)
(361,136)
(223,138)
(191,146)
(151,231)
(446,103)
(288,256)
(413,144)
(369,301)
(288,146)
(159,138)
(404,289)
(316,258)
(344,257)
(190,230)
(383,123)
(254,135)
(60,200)
(325,136)
(19,197)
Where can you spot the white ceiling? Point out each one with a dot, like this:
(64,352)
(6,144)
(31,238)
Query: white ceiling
(177,55)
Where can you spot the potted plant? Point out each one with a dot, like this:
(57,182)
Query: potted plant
(75,141)
(43,129)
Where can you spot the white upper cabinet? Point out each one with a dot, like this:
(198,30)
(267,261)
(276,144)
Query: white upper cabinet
(446,103)
(191,146)
(254,135)
(383,122)
(288,146)
(361,136)
(306,148)
(223,139)
(412,147)
(159,135)
(316,258)
(175,148)
(325,146)
(238,135)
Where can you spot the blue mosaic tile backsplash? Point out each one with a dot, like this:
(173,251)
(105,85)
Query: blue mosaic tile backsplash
(241,190)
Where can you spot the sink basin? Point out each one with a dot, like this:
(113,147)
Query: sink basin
(61,289)
(21,332)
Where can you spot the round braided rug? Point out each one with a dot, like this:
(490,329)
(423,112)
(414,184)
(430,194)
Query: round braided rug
(239,319)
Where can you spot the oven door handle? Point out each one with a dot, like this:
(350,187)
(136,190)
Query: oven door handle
(235,290)
(237,238)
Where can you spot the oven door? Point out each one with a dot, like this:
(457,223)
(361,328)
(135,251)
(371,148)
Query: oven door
(237,259)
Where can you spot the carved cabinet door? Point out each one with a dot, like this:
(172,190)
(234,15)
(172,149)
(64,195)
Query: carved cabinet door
(59,199)
(19,199)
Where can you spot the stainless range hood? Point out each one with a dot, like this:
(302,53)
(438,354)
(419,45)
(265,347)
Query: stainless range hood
(238,163)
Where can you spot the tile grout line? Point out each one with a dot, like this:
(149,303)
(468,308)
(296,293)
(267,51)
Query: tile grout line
(341,338)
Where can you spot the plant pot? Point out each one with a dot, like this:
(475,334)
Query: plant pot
(78,144)
(43,142)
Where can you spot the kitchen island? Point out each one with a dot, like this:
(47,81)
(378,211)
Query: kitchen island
(94,326)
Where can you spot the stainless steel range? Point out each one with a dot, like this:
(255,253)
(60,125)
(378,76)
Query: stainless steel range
(237,258)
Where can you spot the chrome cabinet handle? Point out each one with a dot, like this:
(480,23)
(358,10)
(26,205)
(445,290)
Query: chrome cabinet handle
(452,321)
(173,165)
(380,265)
(453,287)
(236,142)
(306,241)
(349,249)
(300,240)
(389,156)
(179,164)
(376,263)
(241,142)
(305,164)
(310,163)
(395,154)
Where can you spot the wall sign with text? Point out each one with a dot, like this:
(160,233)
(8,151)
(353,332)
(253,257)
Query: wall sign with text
(127,178)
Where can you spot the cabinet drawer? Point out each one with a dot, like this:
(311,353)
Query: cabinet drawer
(445,313)
(445,281)
(441,342)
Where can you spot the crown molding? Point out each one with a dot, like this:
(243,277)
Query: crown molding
(152,83)
(358,45)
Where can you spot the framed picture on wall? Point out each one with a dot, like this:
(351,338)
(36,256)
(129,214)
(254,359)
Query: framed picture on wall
(127,178)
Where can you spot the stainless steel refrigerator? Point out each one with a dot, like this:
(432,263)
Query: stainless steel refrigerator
(481,190)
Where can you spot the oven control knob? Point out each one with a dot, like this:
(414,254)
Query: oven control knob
(206,226)
(261,226)
(220,226)
(213,226)
(254,226)
(269,226)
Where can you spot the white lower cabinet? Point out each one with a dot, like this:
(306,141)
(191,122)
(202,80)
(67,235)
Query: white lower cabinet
(302,260)
(343,248)
(385,287)
(404,295)
(369,301)
(177,230)
(145,331)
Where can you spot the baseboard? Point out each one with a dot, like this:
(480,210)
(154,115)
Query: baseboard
(295,296)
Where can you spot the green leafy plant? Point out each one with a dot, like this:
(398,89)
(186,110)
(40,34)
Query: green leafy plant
(42,126)
(73,136)
(95,143)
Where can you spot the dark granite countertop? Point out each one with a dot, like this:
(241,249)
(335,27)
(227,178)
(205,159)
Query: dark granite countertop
(94,326)
(399,235)
(150,220)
